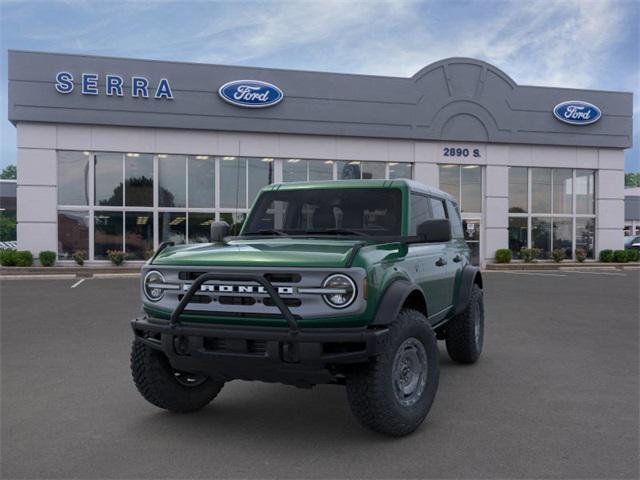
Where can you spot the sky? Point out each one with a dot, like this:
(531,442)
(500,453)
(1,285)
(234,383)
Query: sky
(566,43)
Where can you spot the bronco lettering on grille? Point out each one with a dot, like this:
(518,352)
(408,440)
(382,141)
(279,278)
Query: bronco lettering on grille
(250,289)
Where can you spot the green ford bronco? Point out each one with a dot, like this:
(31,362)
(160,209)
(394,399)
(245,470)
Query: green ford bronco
(347,282)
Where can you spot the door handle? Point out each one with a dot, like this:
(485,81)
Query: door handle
(457,258)
(441,262)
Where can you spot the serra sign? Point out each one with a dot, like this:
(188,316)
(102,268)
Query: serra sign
(113,85)
(250,93)
(577,112)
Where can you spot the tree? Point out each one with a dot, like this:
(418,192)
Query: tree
(9,173)
(632,180)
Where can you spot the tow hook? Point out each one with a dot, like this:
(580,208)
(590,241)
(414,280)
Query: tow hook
(289,352)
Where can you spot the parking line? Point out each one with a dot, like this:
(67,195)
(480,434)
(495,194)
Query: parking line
(78,283)
(598,273)
(533,273)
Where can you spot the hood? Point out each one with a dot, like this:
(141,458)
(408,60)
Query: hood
(271,252)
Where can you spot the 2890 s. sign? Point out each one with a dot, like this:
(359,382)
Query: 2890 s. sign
(577,112)
(250,93)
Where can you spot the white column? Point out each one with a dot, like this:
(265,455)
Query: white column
(495,210)
(37,188)
(610,200)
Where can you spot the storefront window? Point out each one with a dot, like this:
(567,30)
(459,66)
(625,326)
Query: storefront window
(399,170)
(108,233)
(585,192)
(541,190)
(73,233)
(138,172)
(172,227)
(517,235)
(320,170)
(563,235)
(235,221)
(172,188)
(200,227)
(450,180)
(351,170)
(471,188)
(585,235)
(260,175)
(233,182)
(518,190)
(138,235)
(73,178)
(294,170)
(202,180)
(562,190)
(108,179)
(373,170)
(541,235)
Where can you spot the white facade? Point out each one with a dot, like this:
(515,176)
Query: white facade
(37,194)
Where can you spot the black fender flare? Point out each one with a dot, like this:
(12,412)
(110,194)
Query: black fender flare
(470,275)
(393,299)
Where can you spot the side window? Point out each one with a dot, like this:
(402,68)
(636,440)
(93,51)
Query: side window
(437,207)
(456,223)
(420,211)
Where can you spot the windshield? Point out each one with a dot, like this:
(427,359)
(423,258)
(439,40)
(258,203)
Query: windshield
(340,211)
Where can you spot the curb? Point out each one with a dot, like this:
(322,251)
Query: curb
(79,272)
(497,267)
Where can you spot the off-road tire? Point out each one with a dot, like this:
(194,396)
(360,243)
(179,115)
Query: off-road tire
(370,387)
(156,381)
(464,342)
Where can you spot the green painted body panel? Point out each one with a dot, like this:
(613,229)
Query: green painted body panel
(384,263)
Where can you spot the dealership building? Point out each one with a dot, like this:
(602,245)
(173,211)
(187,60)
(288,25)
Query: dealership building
(124,154)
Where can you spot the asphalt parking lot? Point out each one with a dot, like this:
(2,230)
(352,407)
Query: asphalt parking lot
(555,395)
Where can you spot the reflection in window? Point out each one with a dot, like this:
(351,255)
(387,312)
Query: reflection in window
(107,233)
(450,180)
(138,172)
(202,178)
(471,188)
(541,235)
(172,227)
(73,178)
(437,208)
(73,233)
(233,182)
(517,235)
(541,190)
(585,191)
(562,190)
(108,179)
(235,221)
(518,190)
(349,170)
(456,222)
(399,170)
(562,235)
(139,235)
(260,175)
(200,227)
(585,235)
(172,188)
(420,212)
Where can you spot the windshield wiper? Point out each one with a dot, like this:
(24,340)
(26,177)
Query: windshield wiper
(337,231)
(268,232)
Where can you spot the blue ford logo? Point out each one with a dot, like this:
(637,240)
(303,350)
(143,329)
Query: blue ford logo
(576,112)
(251,93)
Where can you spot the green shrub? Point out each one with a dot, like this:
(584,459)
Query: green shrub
(581,254)
(606,255)
(47,258)
(24,258)
(79,256)
(620,256)
(8,258)
(526,254)
(503,255)
(633,255)
(117,257)
(558,255)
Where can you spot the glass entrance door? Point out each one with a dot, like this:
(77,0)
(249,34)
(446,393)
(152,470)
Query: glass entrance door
(472,237)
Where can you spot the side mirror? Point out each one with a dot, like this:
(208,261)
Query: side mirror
(435,230)
(219,230)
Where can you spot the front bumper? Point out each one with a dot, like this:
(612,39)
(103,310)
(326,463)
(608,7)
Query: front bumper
(270,354)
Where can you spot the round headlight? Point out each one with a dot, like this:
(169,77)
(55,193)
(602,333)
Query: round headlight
(345,291)
(151,285)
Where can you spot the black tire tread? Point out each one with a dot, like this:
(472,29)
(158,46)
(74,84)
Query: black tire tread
(459,332)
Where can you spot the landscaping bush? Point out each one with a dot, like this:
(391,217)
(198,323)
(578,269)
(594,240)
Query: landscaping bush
(80,256)
(558,255)
(117,257)
(620,256)
(47,258)
(633,255)
(581,254)
(526,254)
(8,258)
(503,255)
(606,256)
(148,254)
(24,258)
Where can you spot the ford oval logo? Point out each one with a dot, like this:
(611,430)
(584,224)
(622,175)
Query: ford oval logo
(250,93)
(577,112)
